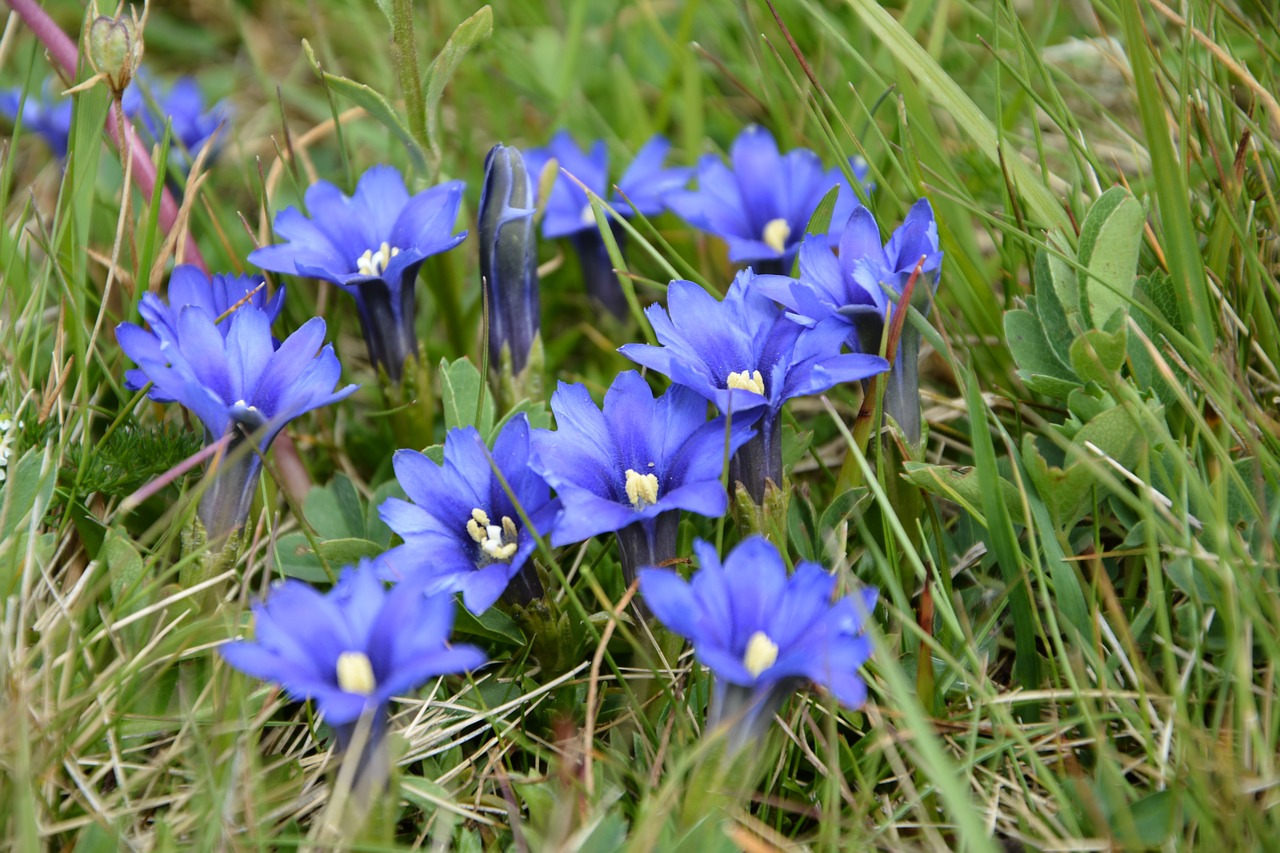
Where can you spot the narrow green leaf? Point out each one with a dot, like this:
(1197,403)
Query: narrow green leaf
(348,551)
(1004,545)
(469,33)
(380,109)
(1182,247)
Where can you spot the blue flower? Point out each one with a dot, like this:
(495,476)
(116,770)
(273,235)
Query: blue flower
(234,378)
(644,184)
(851,290)
(351,650)
(509,259)
(182,106)
(462,532)
(743,353)
(761,633)
(631,467)
(372,245)
(762,205)
(48,116)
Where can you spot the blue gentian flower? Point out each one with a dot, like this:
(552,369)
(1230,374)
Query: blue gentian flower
(372,245)
(744,354)
(761,633)
(762,205)
(351,650)
(631,467)
(235,379)
(48,116)
(857,288)
(644,184)
(181,105)
(462,532)
(509,259)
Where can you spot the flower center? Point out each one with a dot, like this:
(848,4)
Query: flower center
(498,541)
(776,232)
(743,381)
(642,489)
(355,673)
(588,215)
(373,263)
(761,654)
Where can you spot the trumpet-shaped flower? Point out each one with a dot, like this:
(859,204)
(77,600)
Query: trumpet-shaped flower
(642,188)
(762,203)
(630,466)
(857,288)
(371,244)
(743,353)
(509,259)
(462,532)
(237,380)
(352,649)
(763,634)
(851,288)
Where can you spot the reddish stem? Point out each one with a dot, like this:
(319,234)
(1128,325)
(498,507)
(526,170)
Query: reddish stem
(63,50)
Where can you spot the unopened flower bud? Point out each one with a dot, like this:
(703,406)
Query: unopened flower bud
(509,258)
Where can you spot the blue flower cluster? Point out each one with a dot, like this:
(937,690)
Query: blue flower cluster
(631,465)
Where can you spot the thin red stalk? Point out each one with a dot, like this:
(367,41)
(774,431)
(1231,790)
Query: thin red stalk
(63,50)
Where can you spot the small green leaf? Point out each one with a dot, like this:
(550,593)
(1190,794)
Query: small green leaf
(461,388)
(820,222)
(124,565)
(347,552)
(329,511)
(1096,355)
(795,444)
(961,485)
(493,624)
(1050,386)
(27,489)
(1110,238)
(1030,347)
(1046,305)
(842,507)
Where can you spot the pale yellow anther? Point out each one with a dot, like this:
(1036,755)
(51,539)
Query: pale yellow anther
(373,263)
(355,673)
(761,653)
(642,489)
(498,541)
(776,232)
(743,381)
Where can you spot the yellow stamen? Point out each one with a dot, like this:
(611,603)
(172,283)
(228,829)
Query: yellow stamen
(642,489)
(776,232)
(753,382)
(355,673)
(373,263)
(497,541)
(761,653)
